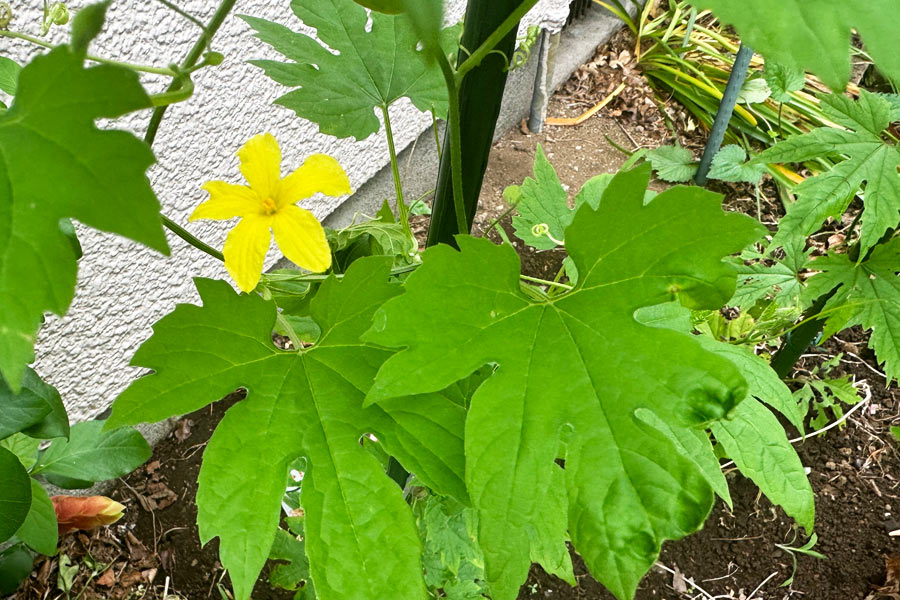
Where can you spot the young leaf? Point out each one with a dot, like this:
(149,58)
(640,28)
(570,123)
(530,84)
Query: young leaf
(870,294)
(729,164)
(576,369)
(25,448)
(39,529)
(673,163)
(542,203)
(870,160)
(15,494)
(361,540)
(9,75)
(814,36)
(93,454)
(374,68)
(783,80)
(55,163)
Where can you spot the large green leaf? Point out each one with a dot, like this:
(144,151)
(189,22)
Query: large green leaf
(869,159)
(868,294)
(36,410)
(39,530)
(815,36)
(15,494)
(575,370)
(92,454)
(55,163)
(372,68)
(361,539)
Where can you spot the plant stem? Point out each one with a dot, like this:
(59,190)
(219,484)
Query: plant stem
(97,59)
(726,109)
(190,60)
(493,40)
(564,286)
(437,136)
(173,97)
(402,209)
(454,115)
(191,239)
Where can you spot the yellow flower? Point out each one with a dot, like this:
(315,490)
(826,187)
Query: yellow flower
(268,206)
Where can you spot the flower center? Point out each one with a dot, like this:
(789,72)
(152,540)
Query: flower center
(269,207)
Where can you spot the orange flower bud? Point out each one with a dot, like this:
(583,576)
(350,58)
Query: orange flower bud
(85,512)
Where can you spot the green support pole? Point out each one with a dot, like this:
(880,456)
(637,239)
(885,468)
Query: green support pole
(480,96)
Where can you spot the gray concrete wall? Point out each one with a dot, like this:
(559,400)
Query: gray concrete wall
(123,288)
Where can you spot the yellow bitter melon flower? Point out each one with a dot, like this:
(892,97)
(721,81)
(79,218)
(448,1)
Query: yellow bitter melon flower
(268,206)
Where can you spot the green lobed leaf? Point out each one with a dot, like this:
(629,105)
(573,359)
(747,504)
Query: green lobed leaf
(293,573)
(39,531)
(868,294)
(756,441)
(814,36)
(693,444)
(361,539)
(673,163)
(783,80)
(92,454)
(15,494)
(542,203)
(9,75)
(765,385)
(374,68)
(55,163)
(575,369)
(730,164)
(870,160)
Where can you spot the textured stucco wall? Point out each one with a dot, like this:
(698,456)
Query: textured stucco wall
(124,288)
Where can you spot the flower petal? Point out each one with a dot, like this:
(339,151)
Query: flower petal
(245,250)
(319,173)
(301,238)
(226,201)
(261,164)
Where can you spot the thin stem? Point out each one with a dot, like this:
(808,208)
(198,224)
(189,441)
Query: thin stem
(288,330)
(451,78)
(91,57)
(564,286)
(183,13)
(190,60)
(437,136)
(395,169)
(493,40)
(191,239)
(496,221)
(180,95)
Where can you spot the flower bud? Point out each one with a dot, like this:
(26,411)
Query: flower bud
(85,512)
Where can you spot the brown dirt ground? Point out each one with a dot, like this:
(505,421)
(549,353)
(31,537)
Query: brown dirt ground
(154,552)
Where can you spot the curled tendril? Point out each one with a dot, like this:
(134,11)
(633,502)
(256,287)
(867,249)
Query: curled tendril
(6,15)
(56,14)
(523,53)
(542,229)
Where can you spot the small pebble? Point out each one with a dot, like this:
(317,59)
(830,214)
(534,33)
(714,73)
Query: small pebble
(830,465)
